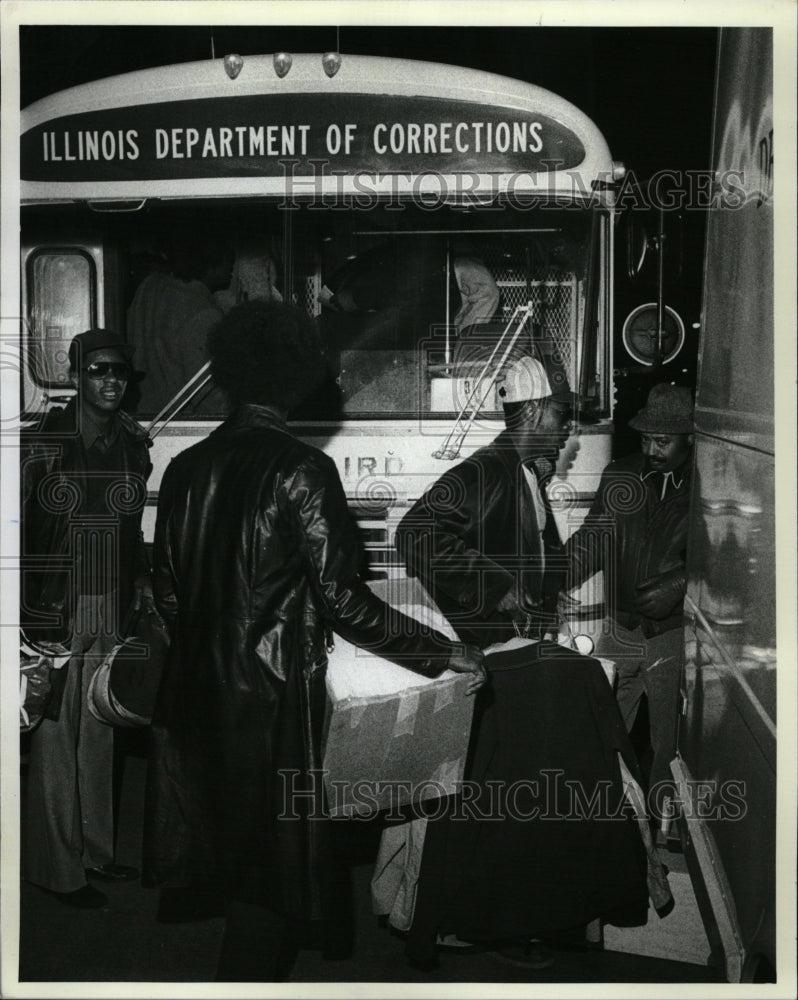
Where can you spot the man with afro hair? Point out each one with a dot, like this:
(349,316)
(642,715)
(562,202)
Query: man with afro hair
(256,564)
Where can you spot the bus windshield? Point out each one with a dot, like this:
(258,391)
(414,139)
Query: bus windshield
(410,302)
(414,302)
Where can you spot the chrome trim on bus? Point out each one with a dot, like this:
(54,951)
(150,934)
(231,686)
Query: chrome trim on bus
(754,701)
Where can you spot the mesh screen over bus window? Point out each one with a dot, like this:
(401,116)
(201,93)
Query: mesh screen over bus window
(557,299)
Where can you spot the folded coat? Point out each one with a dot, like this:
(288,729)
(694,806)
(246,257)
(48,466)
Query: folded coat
(544,838)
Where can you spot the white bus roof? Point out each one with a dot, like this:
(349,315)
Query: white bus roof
(403,126)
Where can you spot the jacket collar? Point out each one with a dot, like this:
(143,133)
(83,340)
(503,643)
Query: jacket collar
(65,421)
(132,426)
(502,446)
(678,479)
(541,466)
(91,430)
(255,415)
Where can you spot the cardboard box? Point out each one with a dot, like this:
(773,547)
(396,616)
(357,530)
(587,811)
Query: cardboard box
(393,737)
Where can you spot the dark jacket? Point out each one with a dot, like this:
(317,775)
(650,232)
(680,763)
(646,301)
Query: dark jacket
(64,497)
(549,736)
(256,561)
(472,535)
(633,533)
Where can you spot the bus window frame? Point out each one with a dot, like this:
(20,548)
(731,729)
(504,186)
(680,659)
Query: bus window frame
(34,339)
(597,303)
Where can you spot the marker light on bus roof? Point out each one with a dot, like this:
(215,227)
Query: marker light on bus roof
(282,63)
(233,64)
(331,61)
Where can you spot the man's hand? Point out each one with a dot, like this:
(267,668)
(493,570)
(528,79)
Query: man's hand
(567,605)
(510,603)
(659,596)
(142,591)
(469,661)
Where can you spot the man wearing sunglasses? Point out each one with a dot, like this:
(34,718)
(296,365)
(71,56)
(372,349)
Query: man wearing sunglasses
(83,490)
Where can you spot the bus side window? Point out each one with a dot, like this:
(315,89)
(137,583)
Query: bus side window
(61,302)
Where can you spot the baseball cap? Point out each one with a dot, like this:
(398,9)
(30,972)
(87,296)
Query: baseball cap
(97,339)
(527,378)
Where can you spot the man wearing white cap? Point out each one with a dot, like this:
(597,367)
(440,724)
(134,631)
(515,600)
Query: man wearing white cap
(482,539)
(483,542)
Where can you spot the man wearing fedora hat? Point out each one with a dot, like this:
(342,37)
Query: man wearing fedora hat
(83,490)
(636,532)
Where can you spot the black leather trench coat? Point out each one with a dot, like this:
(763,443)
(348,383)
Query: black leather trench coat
(474,534)
(256,560)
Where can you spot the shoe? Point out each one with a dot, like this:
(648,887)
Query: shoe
(84,898)
(531,954)
(113,873)
(454,945)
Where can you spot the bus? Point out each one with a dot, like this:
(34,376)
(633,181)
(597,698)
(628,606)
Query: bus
(371,188)
(726,768)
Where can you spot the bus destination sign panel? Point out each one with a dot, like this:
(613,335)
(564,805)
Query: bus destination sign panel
(270,135)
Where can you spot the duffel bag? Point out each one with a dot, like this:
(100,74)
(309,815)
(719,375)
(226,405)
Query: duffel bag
(124,687)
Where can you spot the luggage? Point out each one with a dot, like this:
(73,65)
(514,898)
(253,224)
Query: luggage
(42,672)
(393,738)
(124,687)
